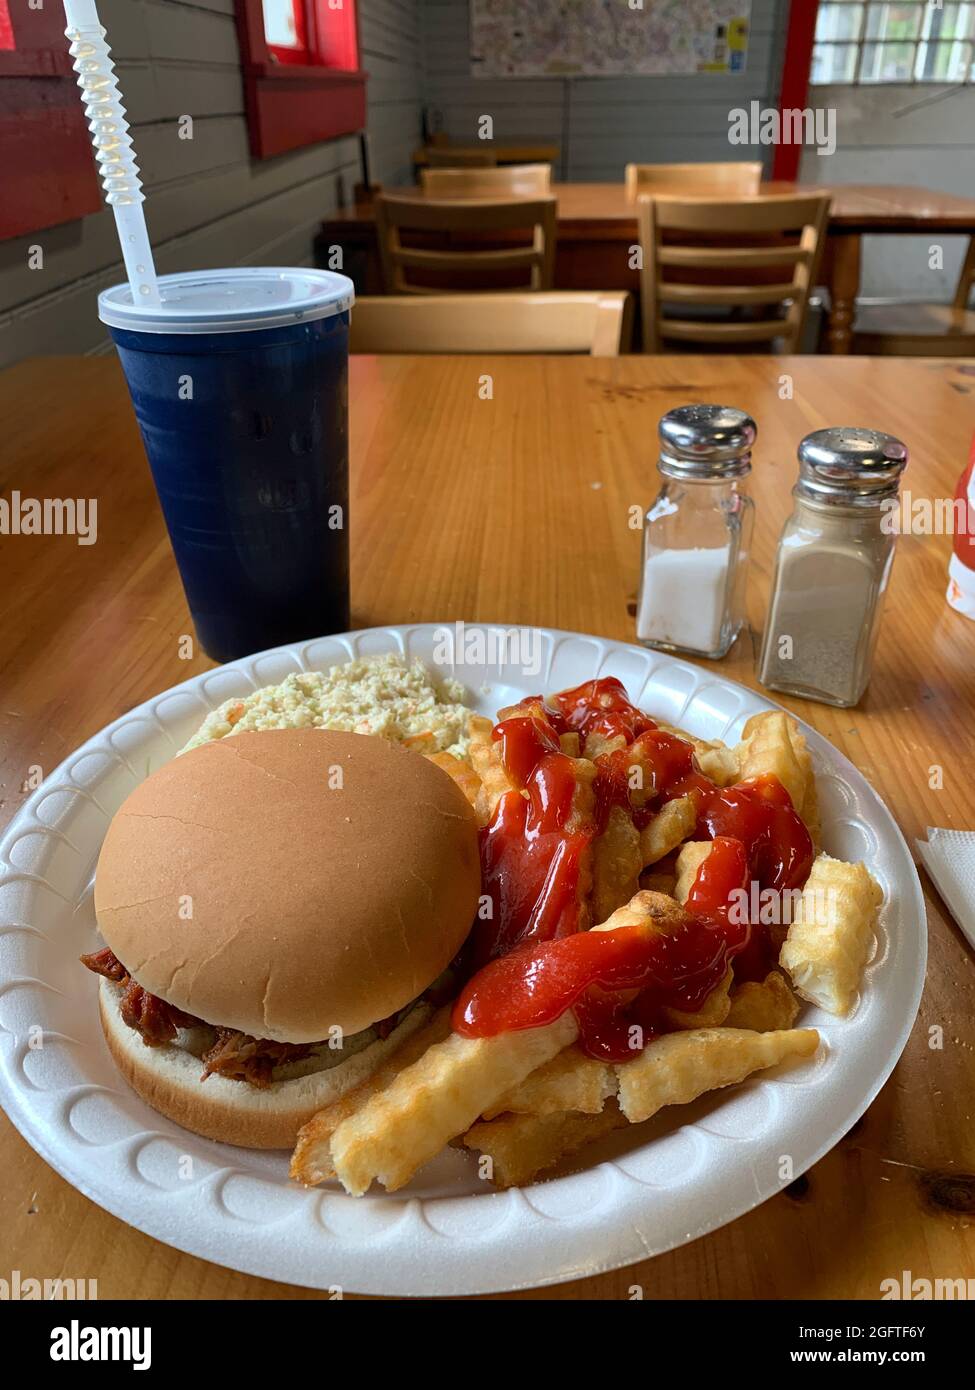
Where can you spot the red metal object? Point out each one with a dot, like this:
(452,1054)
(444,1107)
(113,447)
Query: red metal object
(293,104)
(794,88)
(45,150)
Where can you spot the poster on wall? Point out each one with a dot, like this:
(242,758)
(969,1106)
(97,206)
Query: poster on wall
(599,38)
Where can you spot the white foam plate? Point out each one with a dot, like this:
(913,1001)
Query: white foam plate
(635,1195)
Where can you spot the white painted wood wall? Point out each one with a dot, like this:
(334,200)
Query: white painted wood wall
(208,203)
(922,136)
(600,123)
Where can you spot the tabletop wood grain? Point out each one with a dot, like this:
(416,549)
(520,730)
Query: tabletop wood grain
(583,207)
(514,509)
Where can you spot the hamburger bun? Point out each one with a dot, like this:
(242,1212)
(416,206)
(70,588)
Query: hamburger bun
(289,882)
(298,885)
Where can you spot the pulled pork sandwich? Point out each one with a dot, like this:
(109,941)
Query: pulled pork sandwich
(280,911)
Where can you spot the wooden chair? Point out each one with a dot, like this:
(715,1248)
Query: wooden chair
(444,157)
(729,180)
(750,254)
(583,321)
(471,244)
(503,181)
(921,330)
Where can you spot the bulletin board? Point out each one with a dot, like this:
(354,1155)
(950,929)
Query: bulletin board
(598,38)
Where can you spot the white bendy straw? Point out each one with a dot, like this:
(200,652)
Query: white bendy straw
(113,144)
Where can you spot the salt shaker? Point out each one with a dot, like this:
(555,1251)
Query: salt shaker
(832,566)
(697,534)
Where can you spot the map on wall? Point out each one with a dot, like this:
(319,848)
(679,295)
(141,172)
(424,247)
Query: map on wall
(593,38)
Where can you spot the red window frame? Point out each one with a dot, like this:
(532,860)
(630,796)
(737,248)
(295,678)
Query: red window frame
(48,168)
(300,53)
(314,93)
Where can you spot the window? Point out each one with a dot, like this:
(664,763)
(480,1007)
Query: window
(45,150)
(863,42)
(301,72)
(285,31)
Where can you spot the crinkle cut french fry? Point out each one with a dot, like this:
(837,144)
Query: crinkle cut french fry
(526,709)
(656,909)
(401,1127)
(495,782)
(712,1013)
(766,748)
(679,1067)
(659,880)
(763,1006)
(809,810)
(571,1081)
(616,864)
(522,1146)
(831,933)
(670,827)
(311,1162)
(459,770)
(714,758)
(597,745)
(772,742)
(479,728)
(689,860)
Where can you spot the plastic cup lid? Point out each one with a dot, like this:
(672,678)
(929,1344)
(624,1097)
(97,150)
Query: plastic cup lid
(230,301)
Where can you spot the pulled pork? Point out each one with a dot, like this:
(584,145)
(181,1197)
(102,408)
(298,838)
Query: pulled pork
(242,1058)
(233,1054)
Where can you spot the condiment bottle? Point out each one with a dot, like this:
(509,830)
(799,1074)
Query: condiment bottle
(697,534)
(961,566)
(832,566)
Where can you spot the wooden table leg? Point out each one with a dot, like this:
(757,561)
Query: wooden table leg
(841,275)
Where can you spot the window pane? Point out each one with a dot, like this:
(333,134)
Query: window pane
(894,21)
(948,21)
(838,22)
(943,62)
(887,62)
(280,27)
(833,62)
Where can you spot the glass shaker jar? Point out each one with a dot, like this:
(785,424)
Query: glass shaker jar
(697,534)
(832,566)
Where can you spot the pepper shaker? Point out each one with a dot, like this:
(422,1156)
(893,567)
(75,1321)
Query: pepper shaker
(832,567)
(697,533)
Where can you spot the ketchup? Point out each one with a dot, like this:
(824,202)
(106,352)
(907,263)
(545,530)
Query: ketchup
(532,957)
(533,846)
(535,984)
(642,773)
(597,706)
(760,813)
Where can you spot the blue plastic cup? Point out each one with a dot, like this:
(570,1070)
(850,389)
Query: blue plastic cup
(239,379)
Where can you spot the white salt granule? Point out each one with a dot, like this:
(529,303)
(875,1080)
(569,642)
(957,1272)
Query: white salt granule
(682,599)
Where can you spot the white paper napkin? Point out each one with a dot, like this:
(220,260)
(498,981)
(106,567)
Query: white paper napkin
(949,857)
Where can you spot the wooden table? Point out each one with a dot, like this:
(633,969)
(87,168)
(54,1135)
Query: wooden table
(597,226)
(514,510)
(524,152)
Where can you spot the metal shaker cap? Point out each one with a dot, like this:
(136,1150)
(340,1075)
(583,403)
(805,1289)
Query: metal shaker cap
(706,441)
(850,465)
